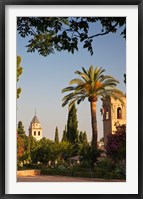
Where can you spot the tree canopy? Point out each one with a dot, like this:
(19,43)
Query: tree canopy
(50,34)
(22,143)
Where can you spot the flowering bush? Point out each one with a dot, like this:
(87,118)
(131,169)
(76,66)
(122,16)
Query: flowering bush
(116,144)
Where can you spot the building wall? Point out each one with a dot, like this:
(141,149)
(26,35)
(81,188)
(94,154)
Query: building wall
(114,113)
(36,131)
(115,104)
(107,129)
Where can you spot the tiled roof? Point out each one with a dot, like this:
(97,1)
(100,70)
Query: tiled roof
(35,120)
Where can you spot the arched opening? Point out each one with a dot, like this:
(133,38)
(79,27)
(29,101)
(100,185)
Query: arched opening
(107,114)
(119,113)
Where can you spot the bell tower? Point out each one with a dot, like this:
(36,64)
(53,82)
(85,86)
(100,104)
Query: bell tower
(114,113)
(35,128)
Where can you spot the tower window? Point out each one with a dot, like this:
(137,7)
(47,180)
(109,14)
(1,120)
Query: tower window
(34,133)
(106,114)
(38,133)
(119,113)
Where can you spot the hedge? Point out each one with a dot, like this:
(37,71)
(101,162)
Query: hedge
(90,174)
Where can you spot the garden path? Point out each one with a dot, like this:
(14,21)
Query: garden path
(48,178)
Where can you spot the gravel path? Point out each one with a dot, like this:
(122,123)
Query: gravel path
(45,178)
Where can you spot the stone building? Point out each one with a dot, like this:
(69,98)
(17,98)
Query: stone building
(114,113)
(35,128)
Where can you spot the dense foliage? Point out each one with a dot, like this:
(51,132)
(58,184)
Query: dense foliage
(73,159)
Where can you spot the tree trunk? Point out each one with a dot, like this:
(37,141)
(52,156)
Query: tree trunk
(93,123)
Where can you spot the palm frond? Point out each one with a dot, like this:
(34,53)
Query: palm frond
(110,84)
(108,80)
(84,71)
(98,73)
(65,103)
(77,81)
(91,73)
(70,88)
(83,75)
(72,103)
(80,100)
(69,96)
(93,84)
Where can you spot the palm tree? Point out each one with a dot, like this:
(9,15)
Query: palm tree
(91,85)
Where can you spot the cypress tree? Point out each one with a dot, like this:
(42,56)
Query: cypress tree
(81,137)
(56,136)
(72,125)
(20,128)
(85,137)
(64,138)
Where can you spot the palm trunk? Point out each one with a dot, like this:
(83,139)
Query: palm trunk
(93,123)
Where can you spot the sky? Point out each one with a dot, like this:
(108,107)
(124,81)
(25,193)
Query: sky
(43,78)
